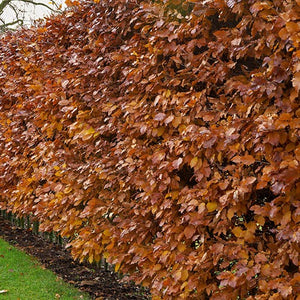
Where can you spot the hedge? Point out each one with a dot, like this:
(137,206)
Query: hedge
(163,136)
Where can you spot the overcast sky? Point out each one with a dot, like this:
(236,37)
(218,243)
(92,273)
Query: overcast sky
(31,12)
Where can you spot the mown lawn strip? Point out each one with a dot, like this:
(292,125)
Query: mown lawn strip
(23,277)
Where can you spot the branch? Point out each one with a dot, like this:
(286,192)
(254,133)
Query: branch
(37,3)
(3,26)
(15,10)
(3,4)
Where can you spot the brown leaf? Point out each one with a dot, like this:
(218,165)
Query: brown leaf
(177,163)
(296,81)
(189,231)
(246,159)
(160,117)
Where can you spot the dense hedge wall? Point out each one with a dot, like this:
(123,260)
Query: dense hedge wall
(164,136)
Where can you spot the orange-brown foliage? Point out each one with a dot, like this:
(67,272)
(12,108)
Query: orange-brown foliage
(163,135)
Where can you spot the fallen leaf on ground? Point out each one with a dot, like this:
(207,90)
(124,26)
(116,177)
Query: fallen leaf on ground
(87,282)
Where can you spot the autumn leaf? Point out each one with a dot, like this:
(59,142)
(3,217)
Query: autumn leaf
(107,233)
(117,266)
(184,275)
(227,279)
(177,163)
(157,267)
(169,119)
(246,159)
(296,81)
(181,247)
(211,206)
(258,6)
(177,275)
(176,121)
(158,157)
(238,232)
(194,162)
(189,231)
(159,117)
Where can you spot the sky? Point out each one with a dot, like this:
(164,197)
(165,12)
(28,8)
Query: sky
(31,12)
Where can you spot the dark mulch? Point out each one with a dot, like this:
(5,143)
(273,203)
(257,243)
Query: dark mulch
(98,282)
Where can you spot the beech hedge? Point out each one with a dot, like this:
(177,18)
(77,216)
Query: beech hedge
(163,136)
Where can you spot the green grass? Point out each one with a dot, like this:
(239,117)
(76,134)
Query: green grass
(25,279)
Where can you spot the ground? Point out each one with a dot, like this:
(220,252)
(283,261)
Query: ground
(98,282)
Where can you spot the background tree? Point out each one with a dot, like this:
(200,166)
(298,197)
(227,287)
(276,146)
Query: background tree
(14,13)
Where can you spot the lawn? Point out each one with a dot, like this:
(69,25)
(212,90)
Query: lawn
(22,277)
